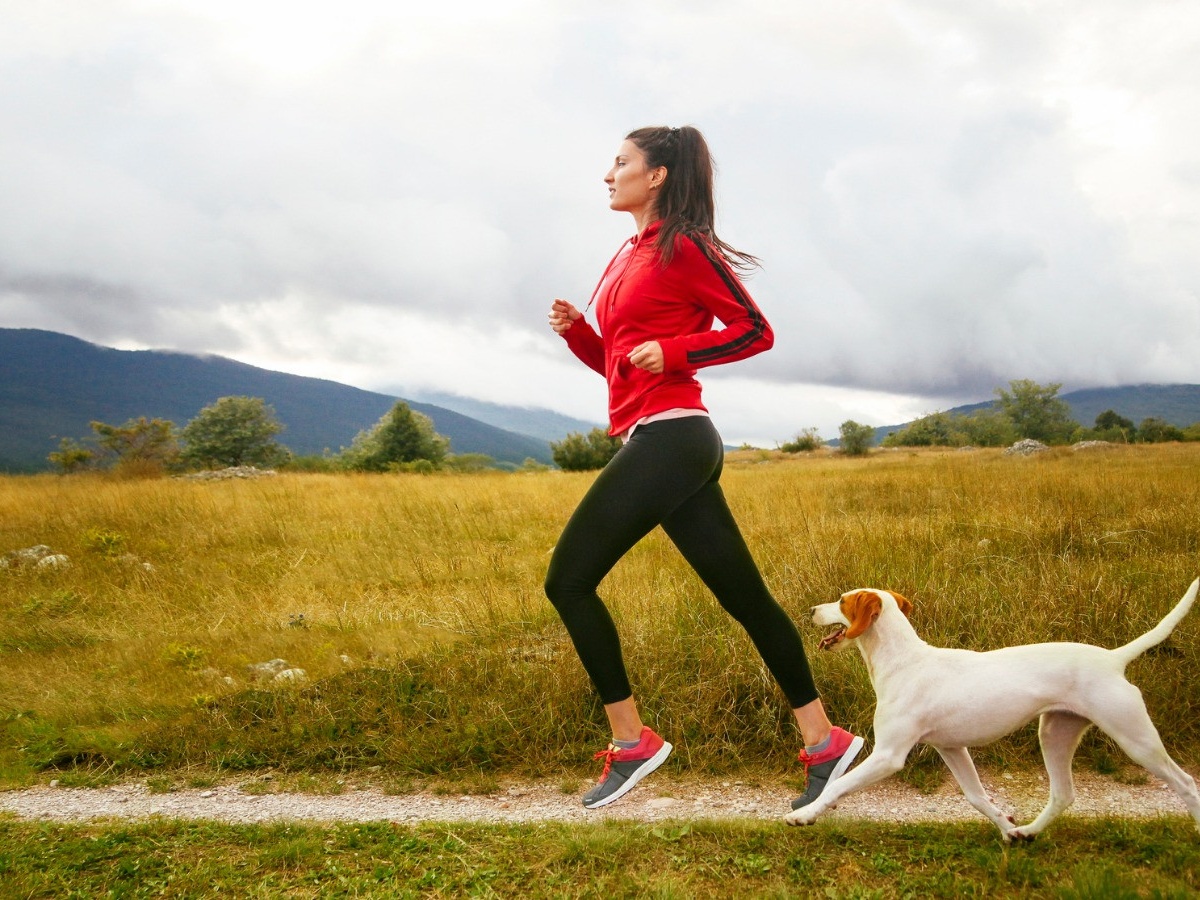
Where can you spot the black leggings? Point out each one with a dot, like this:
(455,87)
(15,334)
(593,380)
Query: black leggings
(667,474)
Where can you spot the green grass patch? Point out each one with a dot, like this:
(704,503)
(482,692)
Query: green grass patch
(1083,859)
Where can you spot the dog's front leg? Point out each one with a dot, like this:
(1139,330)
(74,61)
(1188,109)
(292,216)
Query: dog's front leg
(882,762)
(962,767)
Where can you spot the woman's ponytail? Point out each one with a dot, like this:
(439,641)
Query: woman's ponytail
(685,203)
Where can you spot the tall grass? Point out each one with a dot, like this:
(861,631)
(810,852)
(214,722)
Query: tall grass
(414,604)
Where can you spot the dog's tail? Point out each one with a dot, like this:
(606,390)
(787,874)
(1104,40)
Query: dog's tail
(1162,630)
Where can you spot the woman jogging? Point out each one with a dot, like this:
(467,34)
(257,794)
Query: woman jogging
(655,306)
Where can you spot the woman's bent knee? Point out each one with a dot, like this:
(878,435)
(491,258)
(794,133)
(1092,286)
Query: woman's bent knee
(560,591)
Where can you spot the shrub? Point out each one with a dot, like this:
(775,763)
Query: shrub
(1036,411)
(1158,431)
(470,462)
(72,456)
(138,449)
(935,430)
(579,453)
(805,441)
(104,543)
(856,439)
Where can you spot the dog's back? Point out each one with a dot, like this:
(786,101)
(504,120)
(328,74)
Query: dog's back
(973,698)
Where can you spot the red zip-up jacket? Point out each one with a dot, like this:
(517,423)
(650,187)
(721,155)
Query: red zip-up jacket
(638,300)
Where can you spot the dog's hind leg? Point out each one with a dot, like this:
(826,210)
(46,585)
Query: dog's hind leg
(1126,721)
(1059,734)
(962,767)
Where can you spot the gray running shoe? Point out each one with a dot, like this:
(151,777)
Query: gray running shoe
(826,767)
(625,768)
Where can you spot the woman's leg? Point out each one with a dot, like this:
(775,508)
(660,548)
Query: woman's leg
(704,530)
(651,475)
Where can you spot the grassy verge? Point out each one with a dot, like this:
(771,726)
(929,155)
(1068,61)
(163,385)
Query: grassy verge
(1082,859)
(414,605)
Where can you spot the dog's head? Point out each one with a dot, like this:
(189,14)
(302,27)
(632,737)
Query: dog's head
(854,613)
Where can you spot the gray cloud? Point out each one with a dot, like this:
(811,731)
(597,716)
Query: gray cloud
(946,196)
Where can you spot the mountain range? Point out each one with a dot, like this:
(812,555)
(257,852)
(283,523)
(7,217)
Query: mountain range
(52,386)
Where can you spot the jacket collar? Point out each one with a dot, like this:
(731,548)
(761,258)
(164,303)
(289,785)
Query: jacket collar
(649,234)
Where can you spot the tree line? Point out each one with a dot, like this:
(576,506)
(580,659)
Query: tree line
(243,431)
(1026,410)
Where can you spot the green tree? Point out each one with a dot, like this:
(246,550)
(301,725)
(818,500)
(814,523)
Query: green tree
(140,446)
(1113,427)
(1036,411)
(580,453)
(987,428)
(1158,431)
(401,439)
(234,431)
(72,456)
(856,439)
(139,440)
(1109,420)
(936,430)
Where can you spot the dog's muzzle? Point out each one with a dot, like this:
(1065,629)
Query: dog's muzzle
(833,638)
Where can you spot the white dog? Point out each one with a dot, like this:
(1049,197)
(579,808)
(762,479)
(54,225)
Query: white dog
(954,699)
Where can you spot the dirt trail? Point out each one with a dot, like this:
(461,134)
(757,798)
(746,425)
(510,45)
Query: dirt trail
(658,799)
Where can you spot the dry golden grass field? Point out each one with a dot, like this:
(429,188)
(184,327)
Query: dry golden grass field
(414,606)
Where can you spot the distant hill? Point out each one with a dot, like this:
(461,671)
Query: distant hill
(542,423)
(53,385)
(1178,404)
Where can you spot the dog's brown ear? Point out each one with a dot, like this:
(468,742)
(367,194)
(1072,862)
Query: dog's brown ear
(904,603)
(862,609)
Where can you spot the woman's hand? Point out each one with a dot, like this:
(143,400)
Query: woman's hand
(648,356)
(562,314)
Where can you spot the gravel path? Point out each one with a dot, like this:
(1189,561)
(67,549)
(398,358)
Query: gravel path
(661,799)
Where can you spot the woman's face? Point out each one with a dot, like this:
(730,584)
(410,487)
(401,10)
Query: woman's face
(632,185)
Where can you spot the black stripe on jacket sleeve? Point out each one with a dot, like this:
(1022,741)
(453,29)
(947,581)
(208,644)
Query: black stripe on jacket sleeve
(739,294)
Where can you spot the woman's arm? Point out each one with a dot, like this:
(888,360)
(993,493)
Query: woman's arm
(581,338)
(712,284)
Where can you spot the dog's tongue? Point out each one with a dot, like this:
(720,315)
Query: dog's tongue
(832,638)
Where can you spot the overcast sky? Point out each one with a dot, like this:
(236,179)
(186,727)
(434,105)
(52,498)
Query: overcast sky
(946,194)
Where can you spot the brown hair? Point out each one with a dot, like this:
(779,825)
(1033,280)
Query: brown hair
(685,203)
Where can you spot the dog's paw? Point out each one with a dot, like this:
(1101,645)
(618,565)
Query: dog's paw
(800,817)
(1018,836)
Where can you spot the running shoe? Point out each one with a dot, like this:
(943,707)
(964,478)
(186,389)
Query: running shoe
(824,768)
(625,768)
